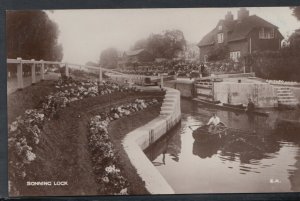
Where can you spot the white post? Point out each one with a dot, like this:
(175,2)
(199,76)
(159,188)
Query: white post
(20,73)
(33,78)
(100,75)
(43,70)
(67,70)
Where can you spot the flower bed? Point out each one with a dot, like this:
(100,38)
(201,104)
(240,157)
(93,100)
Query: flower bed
(24,133)
(105,162)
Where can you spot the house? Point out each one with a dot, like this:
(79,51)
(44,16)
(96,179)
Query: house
(140,55)
(240,37)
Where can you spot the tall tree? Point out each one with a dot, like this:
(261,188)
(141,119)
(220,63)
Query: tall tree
(32,35)
(140,44)
(166,45)
(294,42)
(296,11)
(175,43)
(109,58)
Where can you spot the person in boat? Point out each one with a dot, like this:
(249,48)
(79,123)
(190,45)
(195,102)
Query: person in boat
(250,107)
(213,123)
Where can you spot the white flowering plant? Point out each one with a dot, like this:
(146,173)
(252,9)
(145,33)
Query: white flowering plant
(105,163)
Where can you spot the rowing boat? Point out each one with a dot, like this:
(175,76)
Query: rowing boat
(203,134)
(229,108)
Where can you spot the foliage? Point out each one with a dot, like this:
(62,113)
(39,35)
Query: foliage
(31,34)
(277,65)
(294,41)
(140,44)
(105,162)
(25,133)
(218,53)
(109,58)
(167,45)
(296,11)
(224,66)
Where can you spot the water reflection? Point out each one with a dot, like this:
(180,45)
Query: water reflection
(170,145)
(265,161)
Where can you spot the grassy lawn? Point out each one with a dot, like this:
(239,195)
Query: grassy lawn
(62,154)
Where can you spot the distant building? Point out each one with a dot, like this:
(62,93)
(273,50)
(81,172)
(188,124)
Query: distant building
(242,36)
(140,55)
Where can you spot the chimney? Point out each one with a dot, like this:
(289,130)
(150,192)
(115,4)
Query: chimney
(229,16)
(242,14)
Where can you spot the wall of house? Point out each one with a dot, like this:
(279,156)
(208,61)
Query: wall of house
(262,94)
(204,51)
(241,45)
(264,44)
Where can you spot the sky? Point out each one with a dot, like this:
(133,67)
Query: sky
(84,34)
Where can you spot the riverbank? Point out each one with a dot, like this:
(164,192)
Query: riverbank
(62,153)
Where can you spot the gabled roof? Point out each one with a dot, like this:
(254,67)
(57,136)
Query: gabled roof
(134,52)
(238,30)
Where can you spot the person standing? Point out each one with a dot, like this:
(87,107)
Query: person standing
(201,70)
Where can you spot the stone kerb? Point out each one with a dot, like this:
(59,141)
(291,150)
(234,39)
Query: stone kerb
(141,138)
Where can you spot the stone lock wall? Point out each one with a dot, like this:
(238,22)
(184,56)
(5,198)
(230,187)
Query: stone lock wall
(141,138)
(186,87)
(262,94)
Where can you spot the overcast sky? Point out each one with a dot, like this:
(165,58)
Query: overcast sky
(85,33)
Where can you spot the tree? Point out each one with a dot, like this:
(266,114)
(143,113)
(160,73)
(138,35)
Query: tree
(296,11)
(32,35)
(218,53)
(140,44)
(166,45)
(109,58)
(156,45)
(294,41)
(174,42)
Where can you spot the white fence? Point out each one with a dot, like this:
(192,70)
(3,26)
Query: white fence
(34,64)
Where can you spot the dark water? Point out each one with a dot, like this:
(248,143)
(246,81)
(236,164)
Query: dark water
(268,161)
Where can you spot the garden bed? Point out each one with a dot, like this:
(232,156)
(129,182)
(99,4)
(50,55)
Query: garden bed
(62,153)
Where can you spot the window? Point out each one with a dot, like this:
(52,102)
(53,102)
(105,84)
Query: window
(265,33)
(220,37)
(235,55)
(220,27)
(205,58)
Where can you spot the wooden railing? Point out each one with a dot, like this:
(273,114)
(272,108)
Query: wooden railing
(19,62)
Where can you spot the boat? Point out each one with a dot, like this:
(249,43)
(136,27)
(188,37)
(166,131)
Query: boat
(202,133)
(229,107)
(239,106)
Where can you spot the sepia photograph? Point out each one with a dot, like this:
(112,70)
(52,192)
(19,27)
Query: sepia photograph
(153,101)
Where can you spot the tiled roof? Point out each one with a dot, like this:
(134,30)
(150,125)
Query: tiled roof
(134,52)
(238,30)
